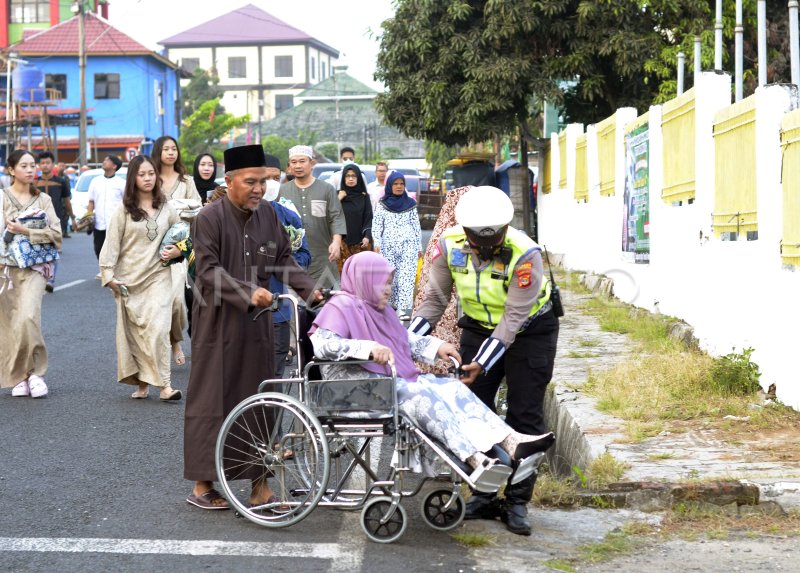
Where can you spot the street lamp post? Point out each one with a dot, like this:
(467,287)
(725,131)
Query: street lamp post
(336,70)
(79,8)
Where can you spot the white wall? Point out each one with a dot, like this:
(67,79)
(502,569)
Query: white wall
(735,294)
(250,53)
(298,54)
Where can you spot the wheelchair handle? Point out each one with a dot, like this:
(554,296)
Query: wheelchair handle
(276,302)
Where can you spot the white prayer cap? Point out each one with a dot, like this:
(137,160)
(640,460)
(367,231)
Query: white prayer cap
(303,150)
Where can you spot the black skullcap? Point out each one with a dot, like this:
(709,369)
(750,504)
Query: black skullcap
(243,157)
(272,161)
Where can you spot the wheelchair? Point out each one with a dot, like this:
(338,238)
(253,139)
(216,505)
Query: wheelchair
(313,439)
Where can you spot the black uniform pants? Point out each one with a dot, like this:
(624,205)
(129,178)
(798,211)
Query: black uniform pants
(527,366)
(99,239)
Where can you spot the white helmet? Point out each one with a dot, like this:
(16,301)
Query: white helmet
(484,212)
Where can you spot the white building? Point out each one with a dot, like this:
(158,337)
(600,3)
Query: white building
(262,62)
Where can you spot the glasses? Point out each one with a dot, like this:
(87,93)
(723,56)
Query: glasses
(351,176)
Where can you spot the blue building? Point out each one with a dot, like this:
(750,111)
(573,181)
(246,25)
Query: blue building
(132,93)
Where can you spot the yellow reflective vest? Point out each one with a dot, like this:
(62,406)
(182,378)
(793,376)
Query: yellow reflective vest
(483,293)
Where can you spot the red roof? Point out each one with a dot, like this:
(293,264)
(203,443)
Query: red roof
(102,39)
(248,25)
(104,142)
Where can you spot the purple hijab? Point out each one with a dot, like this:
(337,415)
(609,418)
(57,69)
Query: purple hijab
(353,313)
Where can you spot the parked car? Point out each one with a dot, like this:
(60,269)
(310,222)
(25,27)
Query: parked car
(406,170)
(320,169)
(80,194)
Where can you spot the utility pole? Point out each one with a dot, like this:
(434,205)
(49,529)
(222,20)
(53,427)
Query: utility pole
(80,7)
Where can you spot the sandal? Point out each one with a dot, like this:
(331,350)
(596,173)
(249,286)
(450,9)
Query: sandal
(37,386)
(179,356)
(20,390)
(277,505)
(141,393)
(168,394)
(208,500)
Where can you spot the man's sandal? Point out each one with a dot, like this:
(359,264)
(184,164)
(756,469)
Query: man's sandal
(208,500)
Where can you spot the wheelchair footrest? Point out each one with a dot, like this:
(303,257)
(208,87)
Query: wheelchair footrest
(488,477)
(527,467)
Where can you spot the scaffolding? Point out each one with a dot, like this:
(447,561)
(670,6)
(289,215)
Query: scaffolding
(28,123)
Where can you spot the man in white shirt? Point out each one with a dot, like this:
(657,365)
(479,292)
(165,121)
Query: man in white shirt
(105,196)
(376,189)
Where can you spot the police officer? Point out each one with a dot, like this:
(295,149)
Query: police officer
(508,327)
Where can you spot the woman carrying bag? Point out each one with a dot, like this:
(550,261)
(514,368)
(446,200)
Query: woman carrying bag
(23,355)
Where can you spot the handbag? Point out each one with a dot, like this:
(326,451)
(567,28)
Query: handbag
(178,235)
(27,254)
(555,293)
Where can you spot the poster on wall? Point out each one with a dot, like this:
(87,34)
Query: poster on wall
(636,218)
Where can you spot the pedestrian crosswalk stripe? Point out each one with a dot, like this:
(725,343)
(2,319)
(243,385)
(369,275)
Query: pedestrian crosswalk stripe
(72,284)
(176,547)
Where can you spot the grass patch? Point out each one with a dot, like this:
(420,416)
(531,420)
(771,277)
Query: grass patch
(604,470)
(551,491)
(473,539)
(661,456)
(677,385)
(692,521)
(614,544)
(560,565)
(649,331)
(589,343)
(576,354)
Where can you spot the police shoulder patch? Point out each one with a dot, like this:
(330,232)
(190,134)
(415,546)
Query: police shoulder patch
(524,273)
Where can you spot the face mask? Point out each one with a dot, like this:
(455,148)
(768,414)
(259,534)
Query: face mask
(273,187)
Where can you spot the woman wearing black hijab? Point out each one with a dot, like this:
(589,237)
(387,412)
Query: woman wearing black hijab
(204,174)
(357,210)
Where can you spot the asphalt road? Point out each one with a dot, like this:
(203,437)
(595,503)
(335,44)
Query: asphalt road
(88,464)
(91,480)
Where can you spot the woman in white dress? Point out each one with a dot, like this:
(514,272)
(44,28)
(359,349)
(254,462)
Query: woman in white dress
(130,265)
(23,355)
(176,184)
(357,323)
(396,234)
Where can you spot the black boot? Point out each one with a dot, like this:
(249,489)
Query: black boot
(515,514)
(483,506)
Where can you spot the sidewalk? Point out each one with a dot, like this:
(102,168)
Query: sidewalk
(667,468)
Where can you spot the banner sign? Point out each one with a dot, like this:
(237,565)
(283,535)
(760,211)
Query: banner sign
(636,219)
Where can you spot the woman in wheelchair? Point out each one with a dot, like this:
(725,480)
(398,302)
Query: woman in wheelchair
(357,323)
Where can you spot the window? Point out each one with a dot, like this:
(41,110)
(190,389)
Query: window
(283,67)
(322,71)
(56,82)
(313,68)
(106,86)
(283,102)
(237,67)
(190,64)
(27,11)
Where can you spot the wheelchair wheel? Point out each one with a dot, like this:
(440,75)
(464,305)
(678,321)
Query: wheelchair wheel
(436,516)
(263,438)
(374,512)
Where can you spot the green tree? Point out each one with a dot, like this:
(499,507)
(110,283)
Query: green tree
(202,130)
(279,146)
(438,154)
(474,74)
(203,86)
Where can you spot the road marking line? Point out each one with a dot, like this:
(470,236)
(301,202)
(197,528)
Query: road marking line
(173,547)
(72,284)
